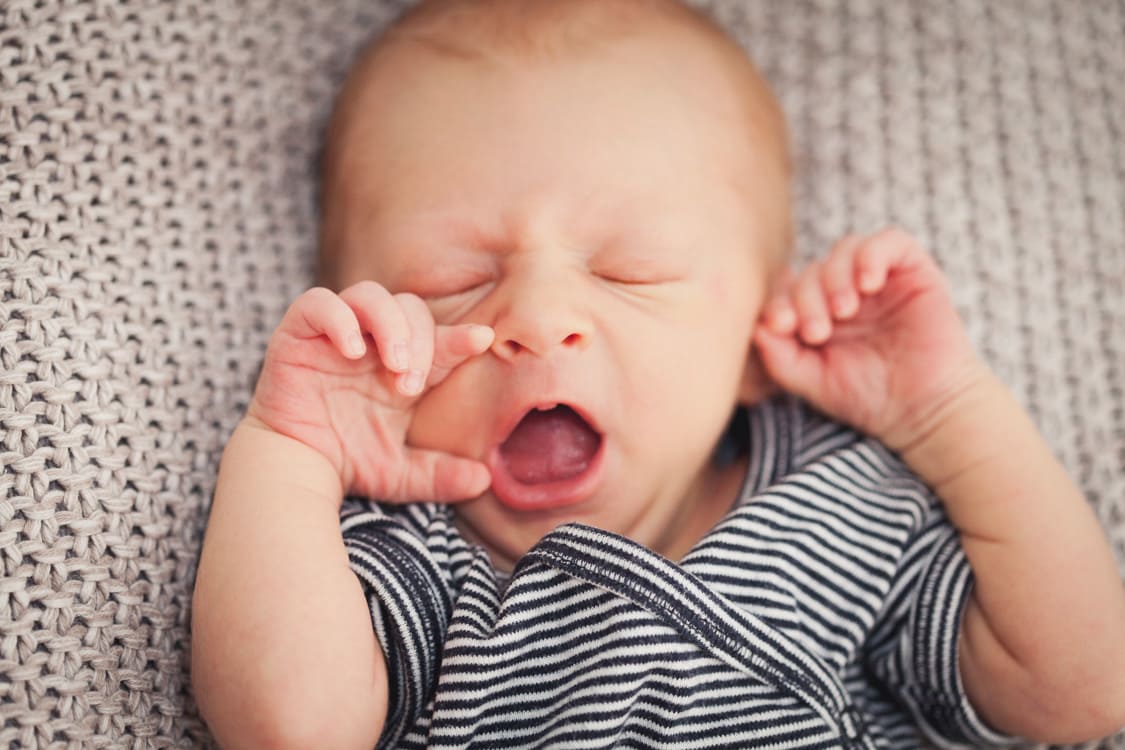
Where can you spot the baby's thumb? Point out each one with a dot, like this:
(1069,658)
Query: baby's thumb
(436,476)
(455,344)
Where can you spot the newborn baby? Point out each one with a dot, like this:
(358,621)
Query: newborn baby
(615,475)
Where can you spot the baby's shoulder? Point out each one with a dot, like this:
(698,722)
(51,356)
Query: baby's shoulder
(785,433)
(420,536)
(789,441)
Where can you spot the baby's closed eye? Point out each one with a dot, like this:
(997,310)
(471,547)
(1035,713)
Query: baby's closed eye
(442,278)
(635,267)
(453,288)
(449,289)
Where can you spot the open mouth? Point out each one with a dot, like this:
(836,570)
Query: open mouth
(549,460)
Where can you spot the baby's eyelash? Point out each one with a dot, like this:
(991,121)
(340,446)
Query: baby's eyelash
(636,267)
(450,291)
(448,306)
(627,280)
(635,277)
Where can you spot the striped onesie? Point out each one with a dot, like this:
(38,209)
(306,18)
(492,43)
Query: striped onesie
(821,612)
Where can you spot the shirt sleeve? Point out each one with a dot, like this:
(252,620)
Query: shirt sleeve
(916,656)
(410,604)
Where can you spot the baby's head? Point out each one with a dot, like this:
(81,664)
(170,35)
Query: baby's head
(606,184)
(432,51)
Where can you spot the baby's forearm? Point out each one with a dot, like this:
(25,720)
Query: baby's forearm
(1043,638)
(283,652)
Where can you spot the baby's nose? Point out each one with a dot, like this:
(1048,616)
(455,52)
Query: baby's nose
(510,347)
(539,322)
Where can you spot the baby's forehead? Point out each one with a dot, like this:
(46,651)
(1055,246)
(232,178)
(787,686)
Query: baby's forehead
(526,34)
(523,35)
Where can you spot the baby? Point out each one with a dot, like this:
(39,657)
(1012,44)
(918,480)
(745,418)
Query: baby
(638,484)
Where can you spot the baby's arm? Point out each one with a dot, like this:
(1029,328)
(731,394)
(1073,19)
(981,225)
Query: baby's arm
(871,337)
(1043,636)
(283,649)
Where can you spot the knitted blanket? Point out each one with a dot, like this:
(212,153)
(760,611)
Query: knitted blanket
(157,216)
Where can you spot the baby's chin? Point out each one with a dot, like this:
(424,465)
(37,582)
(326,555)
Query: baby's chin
(504,542)
(508,534)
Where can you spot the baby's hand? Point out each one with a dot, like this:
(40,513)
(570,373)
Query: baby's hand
(870,336)
(324,384)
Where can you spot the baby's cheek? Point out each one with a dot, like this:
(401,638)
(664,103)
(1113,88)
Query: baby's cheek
(450,416)
(718,289)
(733,299)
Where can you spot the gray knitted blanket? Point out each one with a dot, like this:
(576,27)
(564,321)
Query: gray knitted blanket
(157,215)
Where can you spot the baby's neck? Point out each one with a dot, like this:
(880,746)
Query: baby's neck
(710,500)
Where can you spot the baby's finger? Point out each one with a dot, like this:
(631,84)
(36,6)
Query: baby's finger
(379,315)
(838,277)
(455,344)
(878,255)
(815,325)
(795,368)
(433,476)
(320,312)
(779,313)
(421,323)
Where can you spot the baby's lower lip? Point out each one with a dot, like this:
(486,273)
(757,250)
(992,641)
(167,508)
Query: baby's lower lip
(546,495)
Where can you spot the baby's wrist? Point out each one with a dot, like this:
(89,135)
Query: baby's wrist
(283,461)
(960,431)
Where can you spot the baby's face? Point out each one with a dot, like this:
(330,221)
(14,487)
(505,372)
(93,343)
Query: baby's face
(600,214)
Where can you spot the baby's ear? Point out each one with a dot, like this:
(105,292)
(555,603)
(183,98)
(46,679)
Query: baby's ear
(756,384)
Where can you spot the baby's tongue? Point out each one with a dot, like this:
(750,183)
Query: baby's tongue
(549,446)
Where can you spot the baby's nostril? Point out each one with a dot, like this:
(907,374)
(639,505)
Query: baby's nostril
(518,345)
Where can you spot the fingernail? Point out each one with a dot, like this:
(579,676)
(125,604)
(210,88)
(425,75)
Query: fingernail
(844,303)
(400,356)
(353,346)
(815,331)
(483,333)
(783,320)
(412,383)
